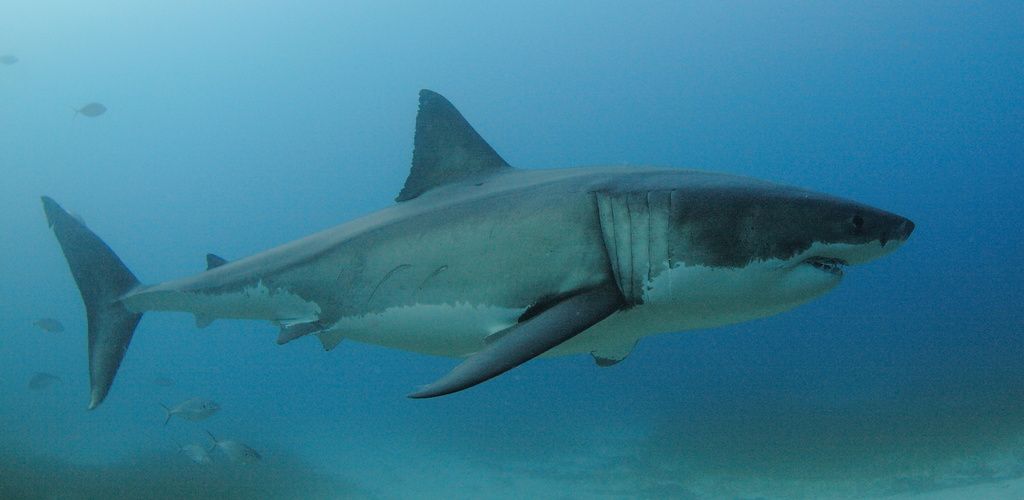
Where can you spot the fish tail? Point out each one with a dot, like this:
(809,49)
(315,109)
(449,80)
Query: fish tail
(168,410)
(102,280)
(76,112)
(213,438)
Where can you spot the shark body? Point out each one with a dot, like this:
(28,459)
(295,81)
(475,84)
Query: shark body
(498,265)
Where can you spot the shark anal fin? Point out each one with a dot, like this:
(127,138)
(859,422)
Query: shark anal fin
(292,332)
(203,321)
(608,356)
(330,340)
(529,339)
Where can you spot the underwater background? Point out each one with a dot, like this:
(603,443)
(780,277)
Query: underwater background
(232,127)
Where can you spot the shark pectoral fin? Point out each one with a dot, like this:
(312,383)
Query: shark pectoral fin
(292,332)
(529,339)
(608,356)
(102,280)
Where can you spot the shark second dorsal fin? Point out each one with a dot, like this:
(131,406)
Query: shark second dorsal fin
(446,149)
(214,261)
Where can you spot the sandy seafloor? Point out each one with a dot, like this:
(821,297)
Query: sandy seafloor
(395,475)
(601,466)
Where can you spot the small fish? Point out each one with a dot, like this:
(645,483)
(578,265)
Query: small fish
(91,110)
(193,409)
(162,381)
(239,452)
(196,453)
(49,325)
(41,381)
(8,59)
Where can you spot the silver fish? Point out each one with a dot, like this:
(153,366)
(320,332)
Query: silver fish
(196,453)
(238,452)
(41,381)
(49,325)
(92,110)
(193,409)
(162,381)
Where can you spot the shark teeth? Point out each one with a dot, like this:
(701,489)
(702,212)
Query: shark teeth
(827,264)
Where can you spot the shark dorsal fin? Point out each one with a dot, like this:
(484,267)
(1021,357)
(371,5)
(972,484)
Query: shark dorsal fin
(446,149)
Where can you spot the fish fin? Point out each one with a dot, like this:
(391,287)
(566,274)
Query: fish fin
(215,442)
(498,335)
(168,410)
(203,321)
(102,280)
(529,339)
(214,261)
(330,340)
(608,356)
(75,110)
(292,332)
(446,149)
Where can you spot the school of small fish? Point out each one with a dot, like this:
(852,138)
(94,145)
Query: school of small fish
(91,110)
(197,408)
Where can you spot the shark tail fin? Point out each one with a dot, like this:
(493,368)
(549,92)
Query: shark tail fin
(102,280)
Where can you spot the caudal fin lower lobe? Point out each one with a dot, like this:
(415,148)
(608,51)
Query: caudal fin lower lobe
(102,280)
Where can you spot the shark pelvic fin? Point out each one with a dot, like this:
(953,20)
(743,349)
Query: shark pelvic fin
(102,280)
(608,356)
(446,149)
(529,339)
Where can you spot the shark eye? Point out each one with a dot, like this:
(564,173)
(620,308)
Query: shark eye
(858,221)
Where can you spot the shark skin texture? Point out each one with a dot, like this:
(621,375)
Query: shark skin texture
(498,265)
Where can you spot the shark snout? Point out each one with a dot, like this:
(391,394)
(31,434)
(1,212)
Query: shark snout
(898,232)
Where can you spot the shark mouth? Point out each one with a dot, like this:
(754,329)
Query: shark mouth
(827,264)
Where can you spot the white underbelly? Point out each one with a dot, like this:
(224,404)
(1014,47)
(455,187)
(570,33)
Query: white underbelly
(454,330)
(683,298)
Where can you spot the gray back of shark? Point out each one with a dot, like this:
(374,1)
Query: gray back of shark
(498,265)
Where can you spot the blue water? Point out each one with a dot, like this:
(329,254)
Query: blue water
(233,127)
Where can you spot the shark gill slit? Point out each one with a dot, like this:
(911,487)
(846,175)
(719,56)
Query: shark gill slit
(650,240)
(606,218)
(628,278)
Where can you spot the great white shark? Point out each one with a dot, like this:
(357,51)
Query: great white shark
(498,265)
